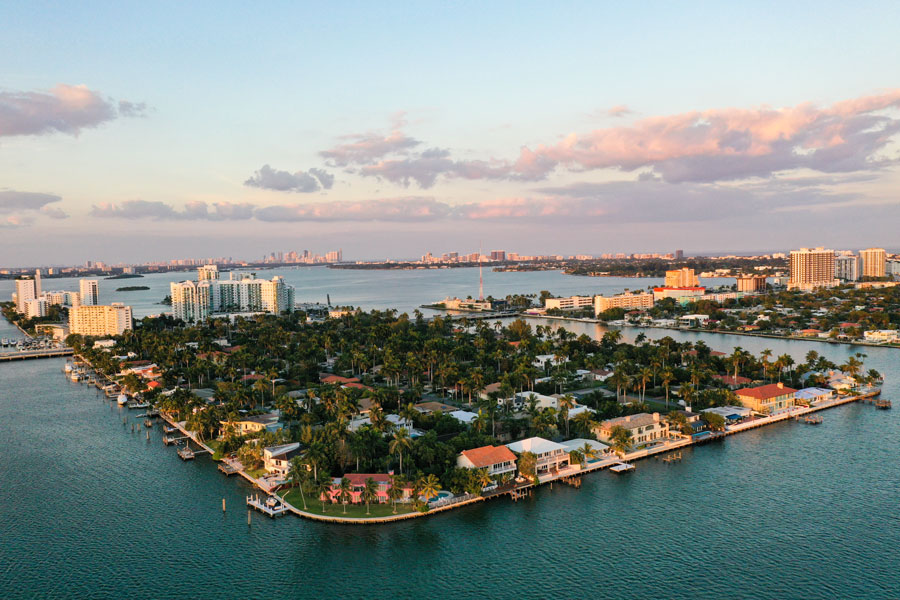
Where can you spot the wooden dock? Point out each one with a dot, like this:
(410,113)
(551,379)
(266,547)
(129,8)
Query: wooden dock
(622,467)
(173,440)
(673,457)
(227,468)
(186,453)
(272,506)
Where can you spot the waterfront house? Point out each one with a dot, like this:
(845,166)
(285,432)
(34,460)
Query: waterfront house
(813,395)
(550,455)
(729,413)
(599,374)
(768,399)
(601,451)
(643,427)
(256,423)
(358,485)
(498,460)
(277,459)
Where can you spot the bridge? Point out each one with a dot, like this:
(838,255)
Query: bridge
(29,354)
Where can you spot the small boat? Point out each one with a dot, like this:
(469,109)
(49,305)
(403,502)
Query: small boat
(148,423)
(67,368)
(122,399)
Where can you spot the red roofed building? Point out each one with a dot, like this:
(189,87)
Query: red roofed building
(768,399)
(498,460)
(336,379)
(732,381)
(358,485)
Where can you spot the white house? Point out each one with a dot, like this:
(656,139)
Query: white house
(550,455)
(498,460)
(277,459)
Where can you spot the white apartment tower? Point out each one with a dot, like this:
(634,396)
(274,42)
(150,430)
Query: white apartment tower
(846,267)
(90,292)
(194,301)
(25,291)
(811,268)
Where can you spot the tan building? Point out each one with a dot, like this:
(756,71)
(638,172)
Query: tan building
(812,268)
(570,303)
(604,303)
(643,427)
(751,283)
(681,278)
(873,262)
(25,291)
(100,320)
(768,399)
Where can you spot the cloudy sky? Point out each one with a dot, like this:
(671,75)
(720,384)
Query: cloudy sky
(140,131)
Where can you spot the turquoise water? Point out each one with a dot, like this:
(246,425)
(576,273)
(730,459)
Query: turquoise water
(89,509)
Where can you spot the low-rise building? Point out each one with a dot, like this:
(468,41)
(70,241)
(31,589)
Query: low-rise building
(550,455)
(882,336)
(643,427)
(569,303)
(498,460)
(254,424)
(768,399)
(813,395)
(627,301)
(277,459)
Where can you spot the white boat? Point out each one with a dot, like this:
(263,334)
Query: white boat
(122,399)
(68,368)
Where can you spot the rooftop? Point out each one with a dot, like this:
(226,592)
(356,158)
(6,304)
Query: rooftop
(487,456)
(535,445)
(765,392)
(632,421)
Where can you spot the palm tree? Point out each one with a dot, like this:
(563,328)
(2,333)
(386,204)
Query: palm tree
(429,486)
(588,452)
(646,375)
(484,478)
(299,475)
(620,439)
(766,354)
(667,377)
(566,403)
(401,441)
(322,488)
(345,492)
(369,492)
(395,492)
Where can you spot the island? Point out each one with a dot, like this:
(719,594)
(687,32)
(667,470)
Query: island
(132,288)
(372,417)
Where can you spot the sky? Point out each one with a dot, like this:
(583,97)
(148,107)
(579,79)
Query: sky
(150,131)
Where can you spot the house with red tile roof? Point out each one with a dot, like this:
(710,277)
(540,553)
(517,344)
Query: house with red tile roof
(336,379)
(769,399)
(498,460)
(733,382)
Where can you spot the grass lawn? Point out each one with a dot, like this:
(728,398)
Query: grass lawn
(354,511)
(256,473)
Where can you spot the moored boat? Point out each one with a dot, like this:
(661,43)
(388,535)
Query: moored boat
(122,399)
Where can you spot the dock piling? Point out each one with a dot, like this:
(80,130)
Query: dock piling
(248,517)
(223,504)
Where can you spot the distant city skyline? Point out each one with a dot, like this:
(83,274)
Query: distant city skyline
(126,134)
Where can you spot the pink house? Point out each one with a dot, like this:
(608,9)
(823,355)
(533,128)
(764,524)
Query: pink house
(358,484)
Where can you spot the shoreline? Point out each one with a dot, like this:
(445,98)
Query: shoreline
(716,331)
(565,475)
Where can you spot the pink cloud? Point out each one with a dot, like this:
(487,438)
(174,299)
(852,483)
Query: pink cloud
(701,145)
(65,109)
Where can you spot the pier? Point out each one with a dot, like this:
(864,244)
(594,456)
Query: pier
(272,506)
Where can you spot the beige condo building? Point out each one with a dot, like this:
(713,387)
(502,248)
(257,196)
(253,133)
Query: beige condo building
(100,320)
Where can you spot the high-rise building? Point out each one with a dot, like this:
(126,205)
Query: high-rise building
(751,283)
(498,255)
(100,320)
(36,307)
(679,254)
(681,278)
(37,283)
(334,256)
(208,272)
(846,267)
(812,268)
(25,291)
(194,301)
(90,292)
(873,262)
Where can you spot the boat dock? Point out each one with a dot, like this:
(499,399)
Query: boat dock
(227,468)
(622,467)
(272,506)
